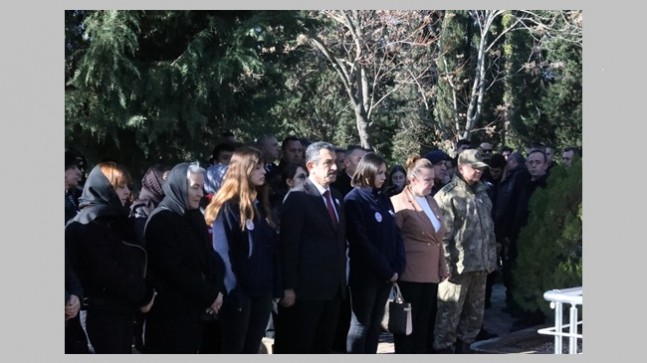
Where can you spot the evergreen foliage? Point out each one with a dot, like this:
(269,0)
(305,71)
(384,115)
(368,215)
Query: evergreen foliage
(522,88)
(544,86)
(166,84)
(453,62)
(550,245)
(156,84)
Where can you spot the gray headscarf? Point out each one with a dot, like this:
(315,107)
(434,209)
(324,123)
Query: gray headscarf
(176,190)
(99,199)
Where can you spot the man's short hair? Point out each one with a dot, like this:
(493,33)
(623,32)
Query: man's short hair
(261,139)
(542,152)
(517,157)
(223,146)
(312,152)
(71,159)
(536,146)
(284,143)
(575,150)
(496,161)
(351,149)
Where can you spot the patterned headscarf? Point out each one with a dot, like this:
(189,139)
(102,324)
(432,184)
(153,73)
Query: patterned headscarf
(151,193)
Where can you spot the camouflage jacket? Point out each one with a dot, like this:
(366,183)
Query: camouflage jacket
(469,243)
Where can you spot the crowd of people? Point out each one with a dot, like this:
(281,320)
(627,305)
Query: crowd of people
(211,260)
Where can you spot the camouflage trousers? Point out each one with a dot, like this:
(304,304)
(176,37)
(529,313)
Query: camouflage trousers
(461,304)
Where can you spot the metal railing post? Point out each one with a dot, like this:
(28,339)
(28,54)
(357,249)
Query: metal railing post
(572,340)
(557,298)
(558,326)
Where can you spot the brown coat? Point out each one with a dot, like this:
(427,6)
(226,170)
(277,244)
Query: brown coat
(422,244)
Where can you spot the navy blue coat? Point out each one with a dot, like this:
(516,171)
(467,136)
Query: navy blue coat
(258,273)
(375,246)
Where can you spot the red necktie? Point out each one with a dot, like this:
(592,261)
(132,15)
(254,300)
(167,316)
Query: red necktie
(331,211)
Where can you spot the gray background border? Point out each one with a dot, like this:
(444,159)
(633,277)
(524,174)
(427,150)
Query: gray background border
(32,143)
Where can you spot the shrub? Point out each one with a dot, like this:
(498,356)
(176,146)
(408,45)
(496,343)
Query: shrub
(550,245)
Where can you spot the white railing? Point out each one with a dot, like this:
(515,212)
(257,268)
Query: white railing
(557,298)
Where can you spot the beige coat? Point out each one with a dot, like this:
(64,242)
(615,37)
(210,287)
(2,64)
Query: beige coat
(422,244)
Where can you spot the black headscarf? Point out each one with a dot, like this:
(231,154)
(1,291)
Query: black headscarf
(99,199)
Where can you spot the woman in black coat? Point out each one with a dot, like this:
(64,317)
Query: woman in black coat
(185,269)
(109,262)
(150,195)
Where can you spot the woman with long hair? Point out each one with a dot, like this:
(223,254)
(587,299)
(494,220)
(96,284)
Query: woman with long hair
(243,236)
(396,180)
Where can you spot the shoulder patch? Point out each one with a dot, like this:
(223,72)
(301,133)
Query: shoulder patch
(449,186)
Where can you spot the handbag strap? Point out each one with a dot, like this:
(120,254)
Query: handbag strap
(398,295)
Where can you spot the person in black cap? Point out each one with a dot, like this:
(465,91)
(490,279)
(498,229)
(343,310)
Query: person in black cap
(75,340)
(439,160)
(463,144)
(72,180)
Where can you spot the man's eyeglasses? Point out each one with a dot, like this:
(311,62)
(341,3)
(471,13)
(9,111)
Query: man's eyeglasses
(487,151)
(301,176)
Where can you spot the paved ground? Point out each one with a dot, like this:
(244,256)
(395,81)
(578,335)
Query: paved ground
(495,320)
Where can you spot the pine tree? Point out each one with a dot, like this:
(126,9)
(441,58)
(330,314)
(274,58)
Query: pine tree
(521,91)
(544,82)
(152,84)
(453,64)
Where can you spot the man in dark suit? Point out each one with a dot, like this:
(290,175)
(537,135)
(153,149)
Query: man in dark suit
(291,153)
(313,260)
(354,154)
(268,144)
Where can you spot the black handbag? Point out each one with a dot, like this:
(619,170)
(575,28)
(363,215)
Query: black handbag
(397,313)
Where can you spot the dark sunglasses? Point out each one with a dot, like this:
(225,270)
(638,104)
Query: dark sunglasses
(301,176)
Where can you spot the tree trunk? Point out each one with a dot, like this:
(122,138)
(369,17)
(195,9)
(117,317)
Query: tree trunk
(361,122)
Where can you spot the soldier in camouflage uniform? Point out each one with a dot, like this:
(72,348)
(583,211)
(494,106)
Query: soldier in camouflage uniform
(470,252)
